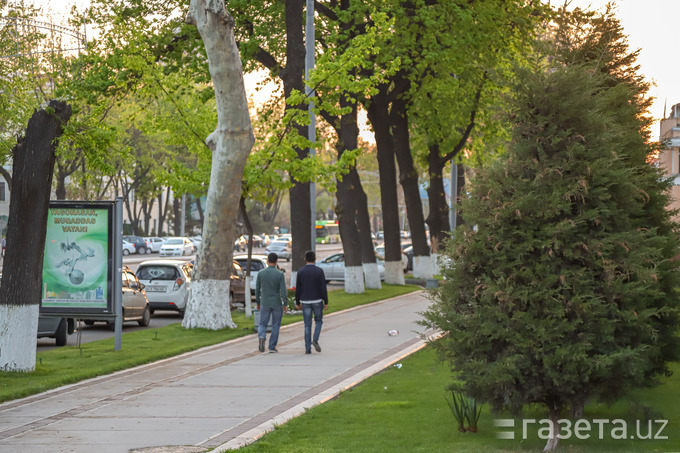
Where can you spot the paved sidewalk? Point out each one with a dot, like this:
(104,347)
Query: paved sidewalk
(223,396)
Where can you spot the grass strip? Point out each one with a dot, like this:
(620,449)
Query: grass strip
(70,364)
(405,410)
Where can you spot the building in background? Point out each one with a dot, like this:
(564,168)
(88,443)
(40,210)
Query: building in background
(669,155)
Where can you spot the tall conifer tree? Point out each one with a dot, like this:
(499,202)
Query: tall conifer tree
(563,284)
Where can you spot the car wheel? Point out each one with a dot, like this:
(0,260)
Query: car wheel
(61,333)
(89,322)
(231,301)
(126,252)
(148,251)
(142,250)
(146,317)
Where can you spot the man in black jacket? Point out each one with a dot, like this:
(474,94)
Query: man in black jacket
(311,295)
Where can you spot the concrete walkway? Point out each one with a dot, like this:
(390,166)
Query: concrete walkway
(223,396)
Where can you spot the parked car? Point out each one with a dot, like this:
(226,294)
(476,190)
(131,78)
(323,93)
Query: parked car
(128,248)
(257,240)
(334,267)
(237,287)
(57,328)
(380,251)
(135,303)
(257,263)
(154,243)
(197,241)
(140,244)
(167,283)
(281,247)
(177,246)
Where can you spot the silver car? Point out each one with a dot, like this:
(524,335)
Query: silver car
(334,267)
(282,248)
(135,304)
(167,283)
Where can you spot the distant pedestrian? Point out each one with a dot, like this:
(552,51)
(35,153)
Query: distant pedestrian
(271,298)
(311,294)
(4,244)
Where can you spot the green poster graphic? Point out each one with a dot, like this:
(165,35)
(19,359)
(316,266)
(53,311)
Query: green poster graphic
(75,267)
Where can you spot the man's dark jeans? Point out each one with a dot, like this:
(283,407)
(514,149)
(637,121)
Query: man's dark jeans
(316,310)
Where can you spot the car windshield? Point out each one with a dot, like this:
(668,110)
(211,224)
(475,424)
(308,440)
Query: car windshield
(157,273)
(255,265)
(174,241)
(280,243)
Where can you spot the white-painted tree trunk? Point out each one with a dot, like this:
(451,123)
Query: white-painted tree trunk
(354,279)
(249,298)
(219,314)
(231,142)
(422,267)
(394,273)
(436,264)
(293,279)
(372,275)
(18,346)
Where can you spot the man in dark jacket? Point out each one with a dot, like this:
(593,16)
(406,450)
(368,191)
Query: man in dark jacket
(311,294)
(271,298)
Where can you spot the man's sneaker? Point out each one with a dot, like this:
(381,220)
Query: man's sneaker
(316,346)
(272,351)
(308,351)
(261,347)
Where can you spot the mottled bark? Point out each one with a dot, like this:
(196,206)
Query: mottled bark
(231,142)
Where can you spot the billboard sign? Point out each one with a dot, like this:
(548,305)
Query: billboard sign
(78,266)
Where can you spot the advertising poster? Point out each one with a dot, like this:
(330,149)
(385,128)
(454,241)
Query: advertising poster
(76,267)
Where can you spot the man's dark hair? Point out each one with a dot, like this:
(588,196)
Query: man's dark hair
(272,258)
(310,256)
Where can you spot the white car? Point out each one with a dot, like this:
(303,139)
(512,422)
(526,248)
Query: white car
(128,248)
(334,267)
(282,248)
(167,283)
(177,246)
(197,241)
(257,263)
(154,243)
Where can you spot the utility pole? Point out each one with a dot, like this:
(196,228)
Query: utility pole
(311,131)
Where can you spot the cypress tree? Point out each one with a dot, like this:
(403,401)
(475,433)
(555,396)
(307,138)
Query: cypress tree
(562,287)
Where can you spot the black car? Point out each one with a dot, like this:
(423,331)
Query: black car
(139,242)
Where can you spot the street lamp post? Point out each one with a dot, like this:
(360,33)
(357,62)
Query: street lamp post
(311,131)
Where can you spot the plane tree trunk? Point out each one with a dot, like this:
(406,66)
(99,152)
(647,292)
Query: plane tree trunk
(231,142)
